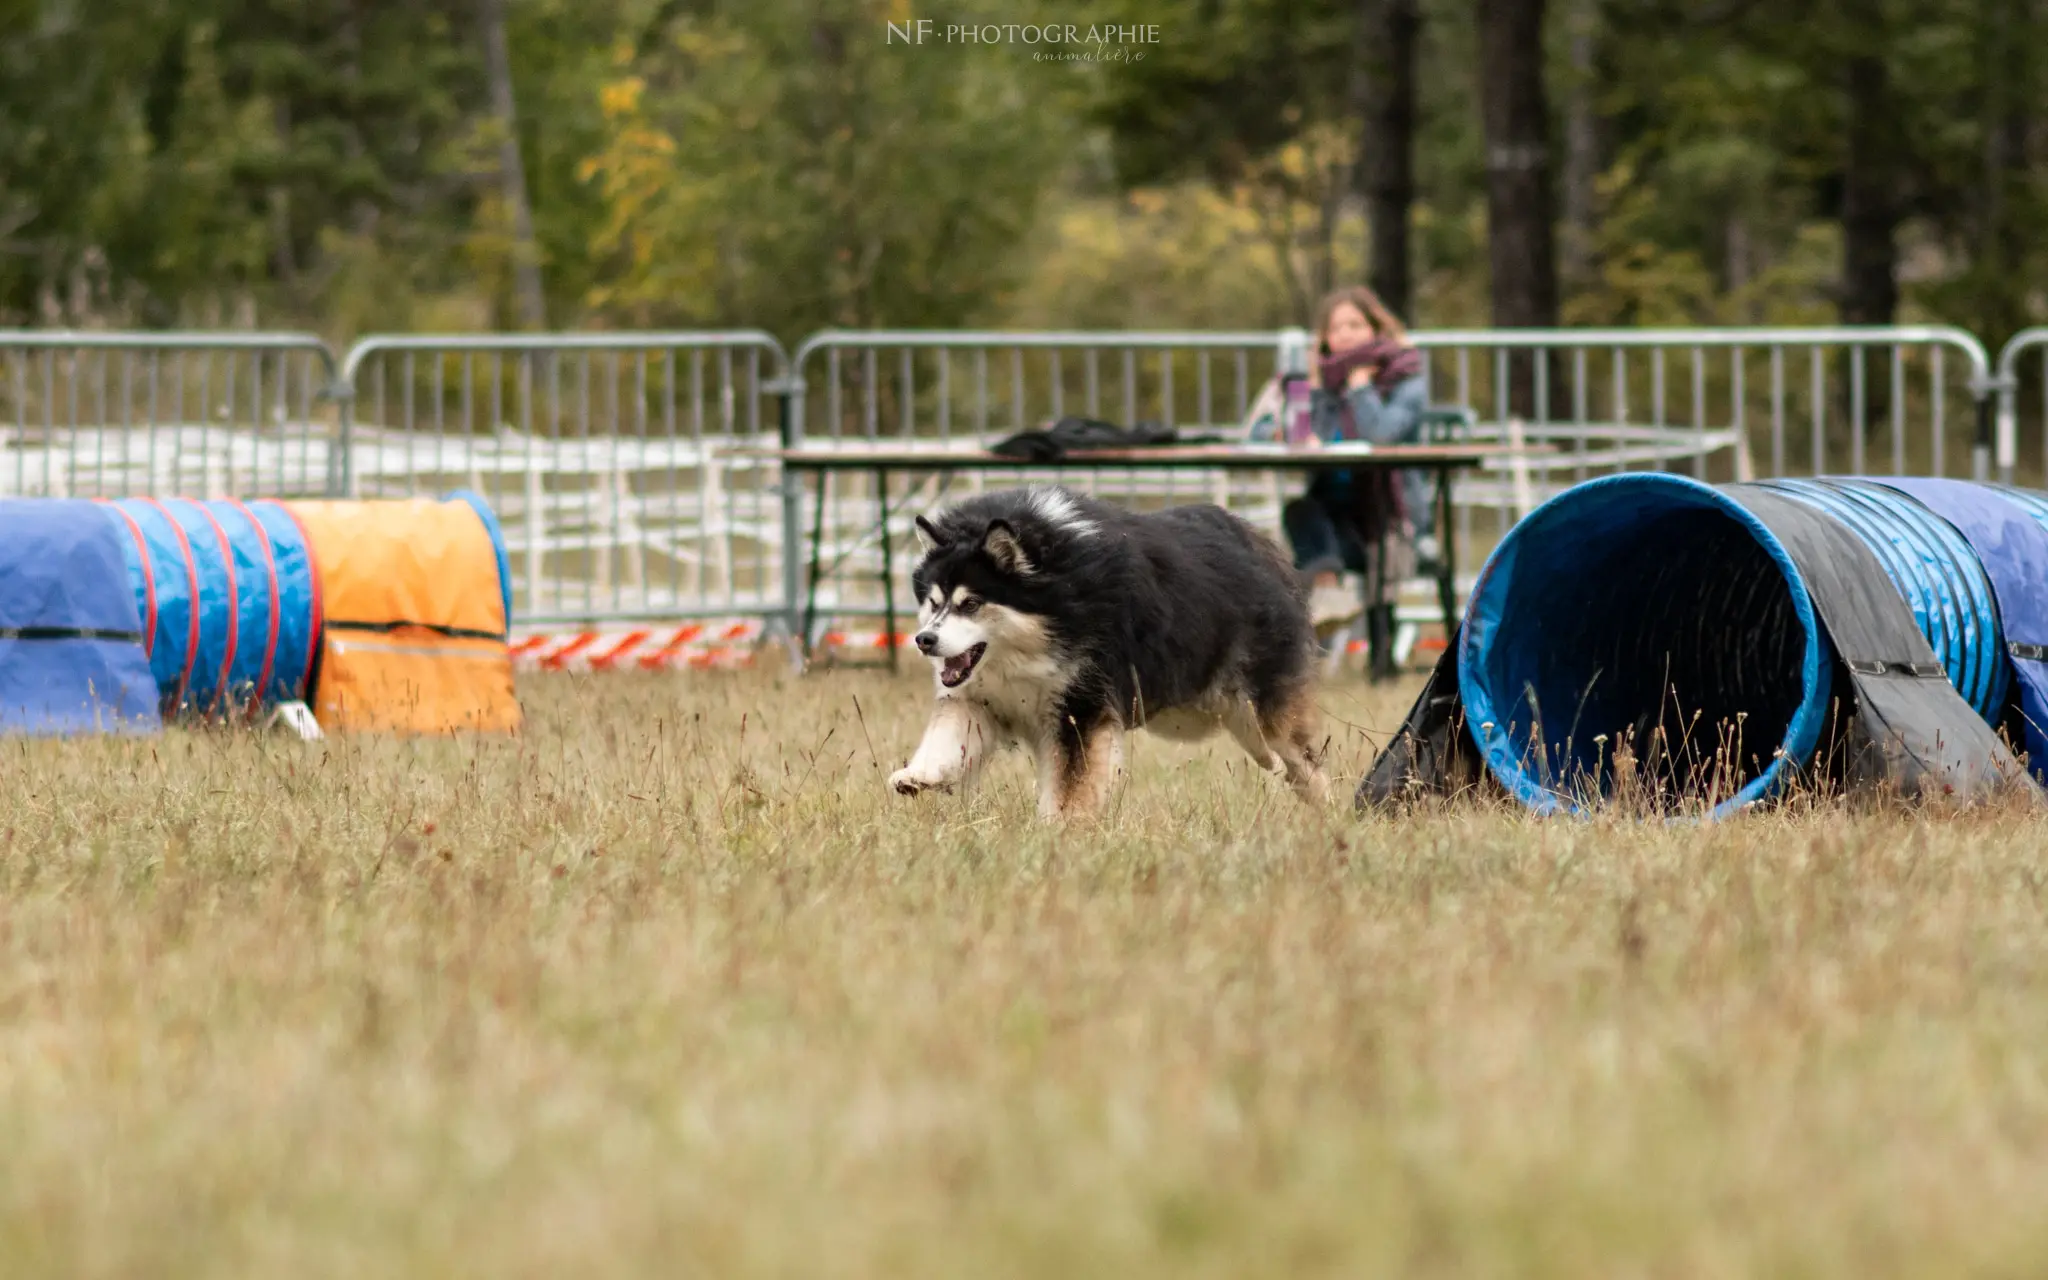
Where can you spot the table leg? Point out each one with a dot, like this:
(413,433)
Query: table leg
(817,561)
(1379,633)
(888,571)
(1447,572)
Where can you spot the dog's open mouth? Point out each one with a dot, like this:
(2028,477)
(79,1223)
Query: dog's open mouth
(957,668)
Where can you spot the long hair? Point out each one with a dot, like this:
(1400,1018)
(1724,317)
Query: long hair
(1385,324)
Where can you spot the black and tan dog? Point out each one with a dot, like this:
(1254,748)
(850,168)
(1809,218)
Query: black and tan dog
(1057,624)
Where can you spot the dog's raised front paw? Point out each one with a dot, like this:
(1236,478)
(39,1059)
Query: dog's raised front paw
(907,782)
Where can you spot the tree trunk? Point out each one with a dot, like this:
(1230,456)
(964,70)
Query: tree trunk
(363,213)
(1872,208)
(1870,197)
(284,262)
(526,288)
(1736,251)
(1386,166)
(1329,212)
(2001,245)
(1581,150)
(1518,186)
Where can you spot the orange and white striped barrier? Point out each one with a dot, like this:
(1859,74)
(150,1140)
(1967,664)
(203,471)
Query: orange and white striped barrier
(860,641)
(701,645)
(660,648)
(728,643)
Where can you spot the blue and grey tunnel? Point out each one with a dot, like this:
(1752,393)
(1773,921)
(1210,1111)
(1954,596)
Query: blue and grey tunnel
(1714,639)
(118,614)
(229,598)
(1634,609)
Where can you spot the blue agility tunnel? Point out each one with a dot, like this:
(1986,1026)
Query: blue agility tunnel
(1721,641)
(71,642)
(1565,650)
(229,597)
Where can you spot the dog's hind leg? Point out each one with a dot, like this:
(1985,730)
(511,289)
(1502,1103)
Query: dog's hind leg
(956,744)
(1289,730)
(1078,770)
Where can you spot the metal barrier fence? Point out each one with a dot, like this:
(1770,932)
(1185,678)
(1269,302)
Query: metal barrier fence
(604,453)
(1718,403)
(969,387)
(2023,407)
(206,414)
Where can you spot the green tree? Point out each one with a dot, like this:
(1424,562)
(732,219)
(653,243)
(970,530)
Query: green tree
(785,165)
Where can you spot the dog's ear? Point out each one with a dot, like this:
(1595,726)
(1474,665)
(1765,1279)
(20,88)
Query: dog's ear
(1001,546)
(928,536)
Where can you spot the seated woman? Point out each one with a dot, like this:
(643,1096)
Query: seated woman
(1368,386)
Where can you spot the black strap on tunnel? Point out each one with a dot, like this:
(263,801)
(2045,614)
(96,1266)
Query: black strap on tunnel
(386,628)
(68,633)
(1910,729)
(1431,753)
(1918,670)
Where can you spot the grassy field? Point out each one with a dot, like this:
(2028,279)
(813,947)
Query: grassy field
(671,986)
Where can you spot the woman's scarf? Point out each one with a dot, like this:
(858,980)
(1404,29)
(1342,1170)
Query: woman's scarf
(1376,501)
(1394,363)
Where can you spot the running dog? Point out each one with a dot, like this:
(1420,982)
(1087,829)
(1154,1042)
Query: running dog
(1057,623)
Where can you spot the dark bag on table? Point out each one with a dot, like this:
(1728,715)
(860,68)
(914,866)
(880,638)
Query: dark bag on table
(1073,434)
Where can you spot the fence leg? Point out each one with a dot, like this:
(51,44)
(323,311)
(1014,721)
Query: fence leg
(1987,418)
(340,475)
(888,572)
(790,389)
(810,605)
(2008,431)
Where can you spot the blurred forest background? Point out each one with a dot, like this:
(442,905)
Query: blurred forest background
(358,165)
